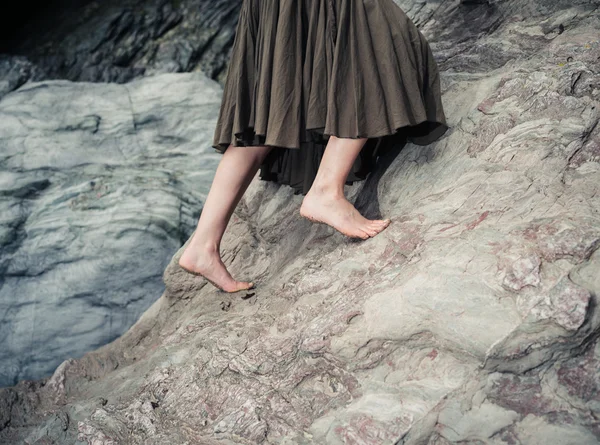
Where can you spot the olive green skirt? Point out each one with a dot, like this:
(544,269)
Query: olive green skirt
(303,70)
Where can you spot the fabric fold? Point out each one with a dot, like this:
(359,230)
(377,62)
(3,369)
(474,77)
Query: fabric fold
(303,70)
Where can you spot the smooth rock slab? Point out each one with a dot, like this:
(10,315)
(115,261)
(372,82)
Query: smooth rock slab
(99,185)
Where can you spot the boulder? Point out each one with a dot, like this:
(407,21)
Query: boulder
(100,184)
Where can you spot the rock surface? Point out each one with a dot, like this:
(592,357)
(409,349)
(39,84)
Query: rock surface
(16,71)
(100,184)
(117,41)
(472,319)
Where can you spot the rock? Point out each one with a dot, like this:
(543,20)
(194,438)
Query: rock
(112,41)
(471,319)
(15,71)
(100,185)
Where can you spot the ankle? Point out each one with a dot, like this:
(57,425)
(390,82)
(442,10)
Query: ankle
(206,247)
(327,189)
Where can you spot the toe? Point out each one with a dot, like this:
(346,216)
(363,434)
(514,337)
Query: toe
(377,227)
(374,224)
(356,233)
(229,287)
(363,233)
(244,285)
(371,231)
(383,224)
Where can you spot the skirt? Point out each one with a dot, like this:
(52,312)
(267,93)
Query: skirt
(303,70)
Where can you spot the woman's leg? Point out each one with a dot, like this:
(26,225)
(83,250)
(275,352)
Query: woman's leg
(325,201)
(232,177)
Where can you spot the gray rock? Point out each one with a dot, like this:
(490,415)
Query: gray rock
(471,319)
(116,41)
(15,71)
(99,185)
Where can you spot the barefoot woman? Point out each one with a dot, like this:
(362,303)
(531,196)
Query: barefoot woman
(315,91)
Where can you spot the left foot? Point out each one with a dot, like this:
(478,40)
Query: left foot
(337,212)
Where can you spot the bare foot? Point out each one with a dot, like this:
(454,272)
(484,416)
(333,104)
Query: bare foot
(209,265)
(339,213)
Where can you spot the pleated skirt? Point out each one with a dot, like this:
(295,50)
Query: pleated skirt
(304,70)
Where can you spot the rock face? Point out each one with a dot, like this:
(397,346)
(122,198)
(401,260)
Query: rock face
(117,41)
(472,319)
(99,185)
(15,71)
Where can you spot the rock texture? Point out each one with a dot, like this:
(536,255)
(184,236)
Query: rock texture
(100,184)
(472,319)
(117,41)
(15,71)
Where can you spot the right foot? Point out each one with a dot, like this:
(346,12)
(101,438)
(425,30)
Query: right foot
(339,213)
(210,266)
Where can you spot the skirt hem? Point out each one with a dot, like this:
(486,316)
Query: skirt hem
(248,137)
